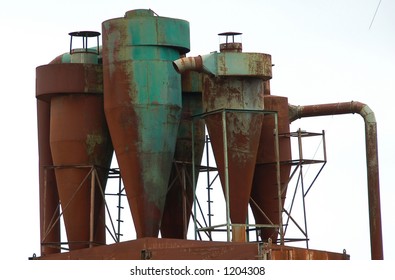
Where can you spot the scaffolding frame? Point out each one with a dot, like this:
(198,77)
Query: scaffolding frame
(296,172)
(205,227)
(95,185)
(298,165)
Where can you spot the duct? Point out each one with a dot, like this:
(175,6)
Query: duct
(297,112)
(201,63)
(257,65)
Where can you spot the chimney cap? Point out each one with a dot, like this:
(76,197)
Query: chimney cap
(231,33)
(85,33)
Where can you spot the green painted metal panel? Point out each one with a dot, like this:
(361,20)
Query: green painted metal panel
(143,106)
(238,64)
(145,29)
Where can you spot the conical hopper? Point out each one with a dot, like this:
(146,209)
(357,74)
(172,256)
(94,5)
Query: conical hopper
(265,205)
(179,199)
(242,130)
(143,106)
(79,138)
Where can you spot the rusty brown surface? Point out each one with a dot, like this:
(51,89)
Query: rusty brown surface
(231,47)
(277,252)
(78,135)
(376,241)
(49,198)
(173,249)
(242,134)
(265,206)
(179,199)
(68,78)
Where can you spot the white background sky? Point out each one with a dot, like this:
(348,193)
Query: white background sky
(323,51)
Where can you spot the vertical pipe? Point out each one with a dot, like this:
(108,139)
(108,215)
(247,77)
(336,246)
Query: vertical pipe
(374,192)
(296,112)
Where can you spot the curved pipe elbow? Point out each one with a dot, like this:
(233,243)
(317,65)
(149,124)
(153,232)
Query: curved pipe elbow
(367,114)
(188,63)
(201,63)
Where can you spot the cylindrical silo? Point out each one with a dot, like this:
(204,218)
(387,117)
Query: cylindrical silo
(179,199)
(265,196)
(79,140)
(142,101)
(233,80)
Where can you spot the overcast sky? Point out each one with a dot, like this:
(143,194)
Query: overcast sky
(324,52)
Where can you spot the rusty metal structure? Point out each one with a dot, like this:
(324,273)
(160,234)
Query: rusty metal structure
(139,96)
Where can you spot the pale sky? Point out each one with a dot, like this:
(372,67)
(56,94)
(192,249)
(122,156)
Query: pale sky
(323,51)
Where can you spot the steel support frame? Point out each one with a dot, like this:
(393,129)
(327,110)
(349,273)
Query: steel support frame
(298,166)
(298,163)
(95,185)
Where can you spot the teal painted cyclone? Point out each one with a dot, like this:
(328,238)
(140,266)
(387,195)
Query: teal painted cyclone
(142,103)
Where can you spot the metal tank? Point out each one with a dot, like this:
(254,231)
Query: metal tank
(232,88)
(265,205)
(179,199)
(142,102)
(79,141)
(48,191)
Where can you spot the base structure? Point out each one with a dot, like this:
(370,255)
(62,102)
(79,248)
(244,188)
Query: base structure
(179,249)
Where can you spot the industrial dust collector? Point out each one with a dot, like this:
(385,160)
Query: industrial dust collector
(265,196)
(233,92)
(179,198)
(79,140)
(142,102)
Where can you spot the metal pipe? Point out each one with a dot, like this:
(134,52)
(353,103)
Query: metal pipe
(188,63)
(297,112)
(201,63)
